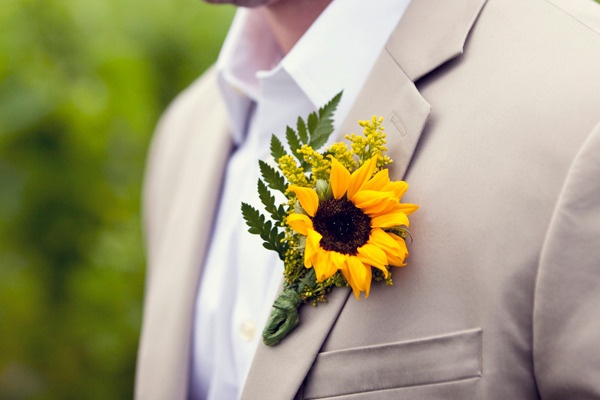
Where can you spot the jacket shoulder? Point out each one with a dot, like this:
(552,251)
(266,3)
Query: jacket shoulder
(191,118)
(201,97)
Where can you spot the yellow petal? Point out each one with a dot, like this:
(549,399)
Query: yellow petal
(395,250)
(339,178)
(360,176)
(401,242)
(348,278)
(338,260)
(328,264)
(374,203)
(389,220)
(408,208)
(300,223)
(374,256)
(398,187)
(360,275)
(368,280)
(379,181)
(391,207)
(311,250)
(321,265)
(308,198)
(358,270)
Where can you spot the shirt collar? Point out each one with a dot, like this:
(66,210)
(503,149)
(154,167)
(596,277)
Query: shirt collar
(340,48)
(336,53)
(248,48)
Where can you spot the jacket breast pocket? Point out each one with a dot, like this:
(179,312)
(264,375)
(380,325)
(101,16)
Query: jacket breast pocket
(381,368)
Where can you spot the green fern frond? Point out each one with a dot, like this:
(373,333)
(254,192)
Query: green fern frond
(268,200)
(259,225)
(277,149)
(273,178)
(293,141)
(322,127)
(302,132)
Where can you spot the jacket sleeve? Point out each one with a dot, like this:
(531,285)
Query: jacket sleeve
(566,319)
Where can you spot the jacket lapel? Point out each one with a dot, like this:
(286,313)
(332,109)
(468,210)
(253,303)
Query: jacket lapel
(429,34)
(421,43)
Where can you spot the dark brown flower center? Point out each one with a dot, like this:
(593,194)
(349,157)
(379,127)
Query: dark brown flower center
(344,227)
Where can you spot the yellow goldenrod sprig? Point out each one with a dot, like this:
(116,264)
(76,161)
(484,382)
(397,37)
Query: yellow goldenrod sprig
(294,174)
(371,143)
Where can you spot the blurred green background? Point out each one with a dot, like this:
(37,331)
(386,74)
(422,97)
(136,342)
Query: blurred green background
(82,84)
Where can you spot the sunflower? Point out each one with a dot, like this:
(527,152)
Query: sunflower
(354,226)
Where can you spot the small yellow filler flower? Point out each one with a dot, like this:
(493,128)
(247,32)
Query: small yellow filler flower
(352,229)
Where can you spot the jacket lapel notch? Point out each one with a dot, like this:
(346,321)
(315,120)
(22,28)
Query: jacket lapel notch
(390,93)
(431,33)
(421,42)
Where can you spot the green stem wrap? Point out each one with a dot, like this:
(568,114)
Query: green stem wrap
(283,318)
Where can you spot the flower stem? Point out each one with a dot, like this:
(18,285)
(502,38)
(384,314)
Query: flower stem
(284,316)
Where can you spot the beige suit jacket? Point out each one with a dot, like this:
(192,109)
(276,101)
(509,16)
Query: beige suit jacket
(492,113)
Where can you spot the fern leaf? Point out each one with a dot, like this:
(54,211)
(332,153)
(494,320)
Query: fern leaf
(277,149)
(294,142)
(254,219)
(323,128)
(273,178)
(313,120)
(302,132)
(270,234)
(277,213)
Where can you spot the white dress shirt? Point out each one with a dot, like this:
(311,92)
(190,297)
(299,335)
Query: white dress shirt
(264,93)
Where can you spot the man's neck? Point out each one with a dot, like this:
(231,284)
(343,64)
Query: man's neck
(290,19)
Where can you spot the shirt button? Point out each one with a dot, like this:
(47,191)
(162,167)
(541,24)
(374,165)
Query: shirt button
(247,330)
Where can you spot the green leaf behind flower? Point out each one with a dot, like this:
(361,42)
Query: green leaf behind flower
(268,200)
(322,127)
(273,178)
(302,131)
(294,142)
(315,132)
(259,225)
(277,149)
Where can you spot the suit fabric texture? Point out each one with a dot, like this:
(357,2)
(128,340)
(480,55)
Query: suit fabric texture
(492,112)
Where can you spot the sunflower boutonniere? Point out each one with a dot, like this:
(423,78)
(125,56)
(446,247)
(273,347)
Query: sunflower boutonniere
(341,222)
